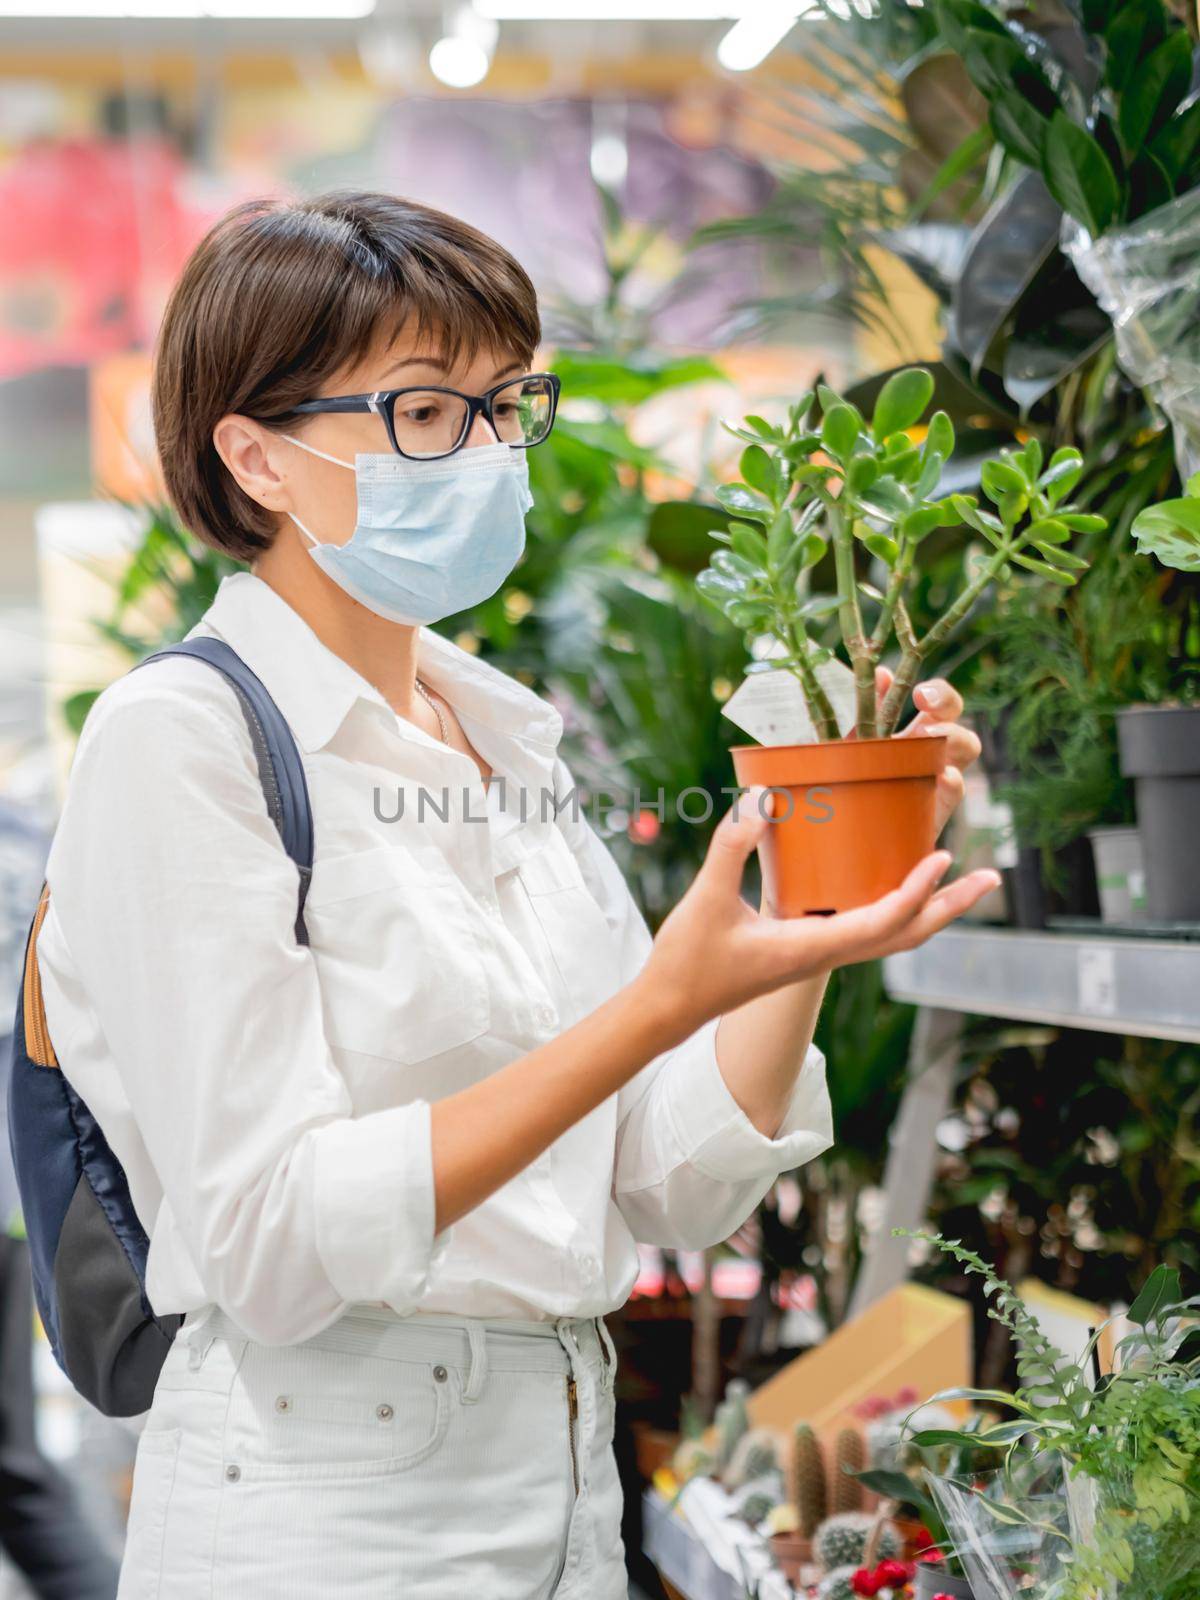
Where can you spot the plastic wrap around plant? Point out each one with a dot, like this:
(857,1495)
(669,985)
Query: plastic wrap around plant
(1040,1535)
(1147,278)
(1010,1529)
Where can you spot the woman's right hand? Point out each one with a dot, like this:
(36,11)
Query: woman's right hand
(714,952)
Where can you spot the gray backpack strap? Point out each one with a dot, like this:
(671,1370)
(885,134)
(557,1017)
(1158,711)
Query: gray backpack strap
(280,768)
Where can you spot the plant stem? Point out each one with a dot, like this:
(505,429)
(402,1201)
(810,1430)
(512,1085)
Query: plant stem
(860,649)
(914,651)
(820,708)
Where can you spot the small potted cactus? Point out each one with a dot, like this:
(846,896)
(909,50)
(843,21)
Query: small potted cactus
(855,808)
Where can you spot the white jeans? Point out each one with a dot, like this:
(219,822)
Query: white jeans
(388,1458)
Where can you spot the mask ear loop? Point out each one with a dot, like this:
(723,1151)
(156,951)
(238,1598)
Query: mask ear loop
(325,456)
(313,451)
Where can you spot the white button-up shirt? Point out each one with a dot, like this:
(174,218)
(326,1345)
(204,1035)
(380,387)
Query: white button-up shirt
(270,1101)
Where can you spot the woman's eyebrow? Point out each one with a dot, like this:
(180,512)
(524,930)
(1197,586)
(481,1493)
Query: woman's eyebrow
(436,361)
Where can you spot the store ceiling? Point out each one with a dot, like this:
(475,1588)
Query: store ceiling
(524,25)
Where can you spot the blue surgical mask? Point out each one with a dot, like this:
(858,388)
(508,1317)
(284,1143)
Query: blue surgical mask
(431,538)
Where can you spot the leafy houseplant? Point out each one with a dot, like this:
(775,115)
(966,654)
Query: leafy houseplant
(1160,743)
(1128,1443)
(865,490)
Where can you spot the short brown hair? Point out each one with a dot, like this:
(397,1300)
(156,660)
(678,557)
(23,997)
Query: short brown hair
(280,295)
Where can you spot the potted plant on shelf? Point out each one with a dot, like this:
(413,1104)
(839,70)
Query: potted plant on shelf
(862,490)
(1160,743)
(1127,1443)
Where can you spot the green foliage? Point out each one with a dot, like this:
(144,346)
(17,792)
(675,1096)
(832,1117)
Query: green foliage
(179,573)
(1135,1434)
(1057,670)
(1110,145)
(1170,530)
(842,483)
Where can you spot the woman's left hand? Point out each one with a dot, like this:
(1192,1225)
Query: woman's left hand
(940,706)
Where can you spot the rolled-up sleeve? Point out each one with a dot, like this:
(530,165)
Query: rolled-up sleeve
(690,1166)
(171,891)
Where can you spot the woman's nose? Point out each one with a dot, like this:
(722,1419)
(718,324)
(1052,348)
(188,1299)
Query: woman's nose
(480,432)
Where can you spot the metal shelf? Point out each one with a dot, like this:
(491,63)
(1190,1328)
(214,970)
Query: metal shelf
(1107,982)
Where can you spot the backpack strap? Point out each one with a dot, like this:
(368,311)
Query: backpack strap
(280,769)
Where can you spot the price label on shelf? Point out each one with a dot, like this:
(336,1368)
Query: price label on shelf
(1097,972)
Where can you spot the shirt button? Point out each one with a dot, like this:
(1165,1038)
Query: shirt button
(544,1016)
(384,1412)
(233,1473)
(282,1403)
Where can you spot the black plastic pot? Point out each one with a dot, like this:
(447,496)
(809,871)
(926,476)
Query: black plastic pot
(935,1579)
(1160,751)
(1030,899)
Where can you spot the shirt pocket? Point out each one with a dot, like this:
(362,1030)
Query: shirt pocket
(400,961)
(577,935)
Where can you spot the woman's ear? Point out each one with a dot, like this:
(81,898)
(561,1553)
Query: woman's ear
(248,450)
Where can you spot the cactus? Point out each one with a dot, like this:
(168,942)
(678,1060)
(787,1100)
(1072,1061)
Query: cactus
(848,1458)
(755,1501)
(837,1585)
(807,1489)
(692,1459)
(841,1541)
(732,1420)
(755,1454)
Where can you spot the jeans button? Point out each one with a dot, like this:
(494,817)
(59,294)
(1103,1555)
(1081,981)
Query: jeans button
(440,1374)
(384,1412)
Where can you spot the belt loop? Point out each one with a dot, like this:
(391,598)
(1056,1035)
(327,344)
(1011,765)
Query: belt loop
(607,1345)
(191,1336)
(477,1377)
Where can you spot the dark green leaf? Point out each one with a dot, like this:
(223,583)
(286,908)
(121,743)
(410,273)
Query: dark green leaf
(1170,531)
(902,402)
(1019,128)
(745,502)
(1044,570)
(883,546)
(779,537)
(679,532)
(759,470)
(1079,175)
(839,429)
(1161,1290)
(1048,529)
(861,473)
(939,440)
(1155,90)
(921,522)
(748,543)
(1176,143)
(1134,29)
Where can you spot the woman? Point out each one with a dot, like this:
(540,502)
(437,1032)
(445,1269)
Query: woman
(394,1177)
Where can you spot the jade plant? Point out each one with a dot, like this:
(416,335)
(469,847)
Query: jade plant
(831,479)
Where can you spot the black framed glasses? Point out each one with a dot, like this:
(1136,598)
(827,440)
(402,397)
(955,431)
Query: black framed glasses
(426,422)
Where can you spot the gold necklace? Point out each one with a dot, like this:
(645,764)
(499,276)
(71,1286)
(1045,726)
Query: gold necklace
(434,707)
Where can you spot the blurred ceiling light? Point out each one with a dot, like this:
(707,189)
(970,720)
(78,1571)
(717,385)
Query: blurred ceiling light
(462,57)
(187,10)
(610,160)
(752,38)
(460,63)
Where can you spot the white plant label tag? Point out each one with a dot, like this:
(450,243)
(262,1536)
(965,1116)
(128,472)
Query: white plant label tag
(770,706)
(1097,971)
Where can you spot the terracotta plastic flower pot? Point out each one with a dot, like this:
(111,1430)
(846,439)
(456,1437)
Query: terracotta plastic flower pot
(852,818)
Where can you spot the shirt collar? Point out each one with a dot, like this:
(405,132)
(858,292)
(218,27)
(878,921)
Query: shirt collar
(315,689)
